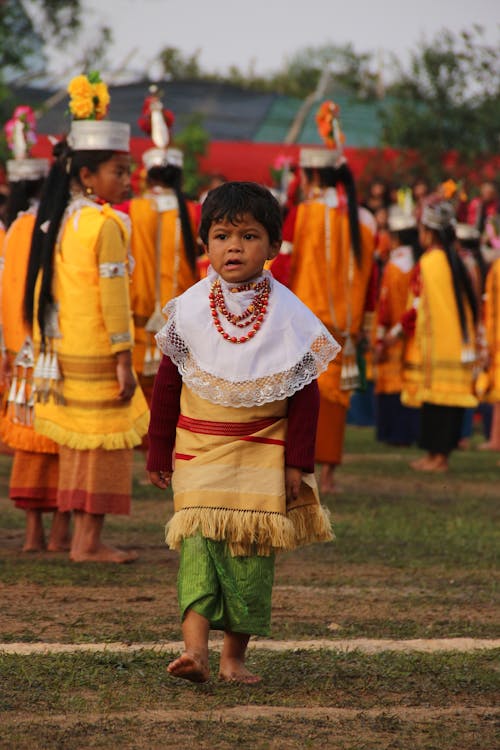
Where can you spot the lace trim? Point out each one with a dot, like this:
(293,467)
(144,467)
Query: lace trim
(263,390)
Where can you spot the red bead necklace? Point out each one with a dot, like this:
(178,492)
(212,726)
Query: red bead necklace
(252,316)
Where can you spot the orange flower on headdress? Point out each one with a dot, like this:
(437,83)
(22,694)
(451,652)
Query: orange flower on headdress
(101,94)
(452,190)
(89,97)
(328,125)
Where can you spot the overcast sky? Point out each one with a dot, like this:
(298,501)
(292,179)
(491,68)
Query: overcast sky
(263,33)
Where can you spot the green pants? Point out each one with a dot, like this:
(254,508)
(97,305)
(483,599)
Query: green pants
(232,593)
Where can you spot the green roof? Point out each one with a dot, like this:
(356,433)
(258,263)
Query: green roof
(359,120)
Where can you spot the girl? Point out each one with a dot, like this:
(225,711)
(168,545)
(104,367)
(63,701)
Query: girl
(326,259)
(439,362)
(87,399)
(34,474)
(395,424)
(164,250)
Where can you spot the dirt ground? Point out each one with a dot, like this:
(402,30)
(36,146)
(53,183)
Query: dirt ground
(321,596)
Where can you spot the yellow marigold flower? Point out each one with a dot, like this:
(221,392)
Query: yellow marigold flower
(80,87)
(101,99)
(82,108)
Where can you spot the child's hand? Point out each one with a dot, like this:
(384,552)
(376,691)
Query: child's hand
(125,376)
(293,478)
(160,479)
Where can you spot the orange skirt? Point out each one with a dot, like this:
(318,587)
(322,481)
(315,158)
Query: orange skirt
(330,432)
(33,480)
(95,481)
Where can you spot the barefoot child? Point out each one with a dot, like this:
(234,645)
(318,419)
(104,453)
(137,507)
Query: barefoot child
(236,392)
(86,398)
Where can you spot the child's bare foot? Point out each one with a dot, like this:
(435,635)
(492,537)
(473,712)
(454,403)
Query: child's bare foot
(59,547)
(189,666)
(103,554)
(30,546)
(438,463)
(234,670)
(419,463)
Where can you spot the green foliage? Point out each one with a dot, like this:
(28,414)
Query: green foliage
(177,66)
(447,99)
(299,76)
(193,140)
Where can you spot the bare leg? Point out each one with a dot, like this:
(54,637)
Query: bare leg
(35,537)
(232,660)
(87,547)
(59,538)
(327,482)
(493,444)
(77,533)
(192,665)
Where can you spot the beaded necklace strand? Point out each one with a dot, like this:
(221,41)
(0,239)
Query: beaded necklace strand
(253,315)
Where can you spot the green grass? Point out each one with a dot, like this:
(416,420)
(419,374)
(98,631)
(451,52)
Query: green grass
(415,557)
(79,683)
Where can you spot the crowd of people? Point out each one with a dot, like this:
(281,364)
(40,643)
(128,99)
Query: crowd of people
(227,337)
(414,352)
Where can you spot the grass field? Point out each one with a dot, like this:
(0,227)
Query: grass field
(415,556)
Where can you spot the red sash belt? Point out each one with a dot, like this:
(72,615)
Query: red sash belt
(236,429)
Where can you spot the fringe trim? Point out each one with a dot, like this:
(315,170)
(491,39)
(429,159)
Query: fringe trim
(247,532)
(82,441)
(23,438)
(311,523)
(250,532)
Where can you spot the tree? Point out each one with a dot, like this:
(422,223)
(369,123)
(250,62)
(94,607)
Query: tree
(447,99)
(193,140)
(349,70)
(27,28)
(177,66)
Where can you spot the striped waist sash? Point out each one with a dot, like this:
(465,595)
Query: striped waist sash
(231,429)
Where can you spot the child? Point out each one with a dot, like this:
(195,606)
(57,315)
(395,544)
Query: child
(395,424)
(86,398)
(440,351)
(242,355)
(162,242)
(34,473)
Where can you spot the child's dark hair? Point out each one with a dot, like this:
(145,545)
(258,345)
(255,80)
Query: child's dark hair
(230,201)
(332,176)
(21,193)
(54,200)
(171,176)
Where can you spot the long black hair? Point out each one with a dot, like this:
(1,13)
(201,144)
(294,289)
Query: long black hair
(171,176)
(21,193)
(54,200)
(462,284)
(332,176)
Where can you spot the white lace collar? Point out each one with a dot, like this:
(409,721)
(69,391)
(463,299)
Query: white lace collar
(291,349)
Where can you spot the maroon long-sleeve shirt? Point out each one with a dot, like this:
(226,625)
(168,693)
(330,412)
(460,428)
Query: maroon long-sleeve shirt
(303,408)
